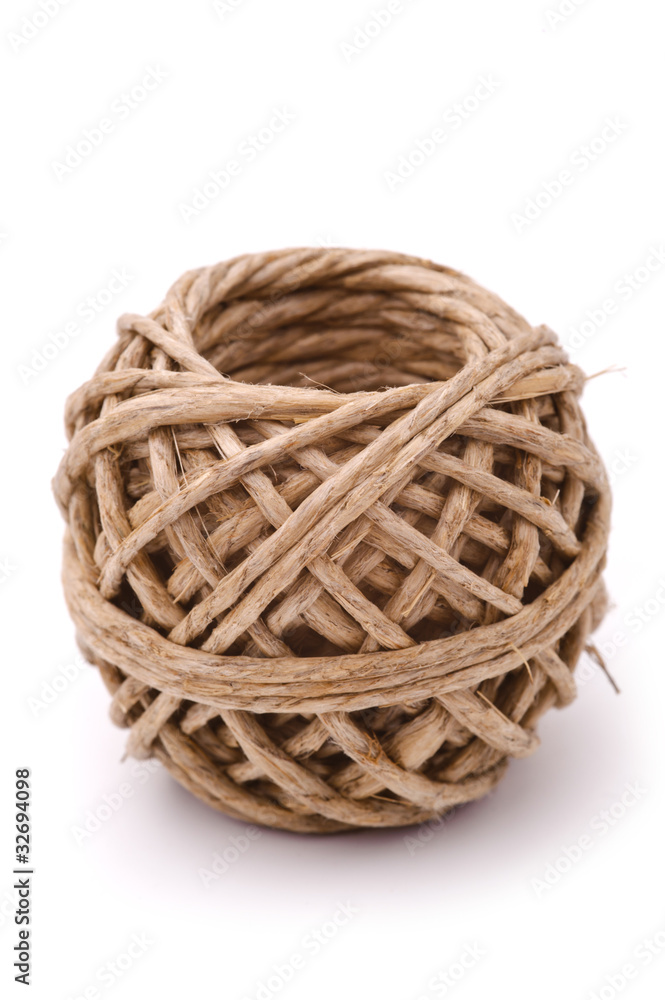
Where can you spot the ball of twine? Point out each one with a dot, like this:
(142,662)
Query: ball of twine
(335,532)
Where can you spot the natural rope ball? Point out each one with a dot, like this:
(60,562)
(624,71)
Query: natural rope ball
(335,535)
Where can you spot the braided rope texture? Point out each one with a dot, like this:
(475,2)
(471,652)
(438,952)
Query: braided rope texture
(335,534)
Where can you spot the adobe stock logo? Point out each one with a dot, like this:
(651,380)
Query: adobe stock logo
(426,831)
(366,33)
(112,801)
(641,958)
(218,181)
(446,979)
(562,13)
(623,290)
(224,7)
(451,120)
(108,974)
(87,310)
(7,569)
(579,161)
(311,943)
(51,689)
(121,108)
(599,825)
(223,860)
(34,23)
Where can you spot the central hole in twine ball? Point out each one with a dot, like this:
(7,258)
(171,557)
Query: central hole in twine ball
(373,351)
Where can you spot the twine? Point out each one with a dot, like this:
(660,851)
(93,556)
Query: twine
(335,532)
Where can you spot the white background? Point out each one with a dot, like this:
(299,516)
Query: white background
(475,882)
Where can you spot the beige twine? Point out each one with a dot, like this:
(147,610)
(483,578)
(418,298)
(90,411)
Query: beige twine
(335,535)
